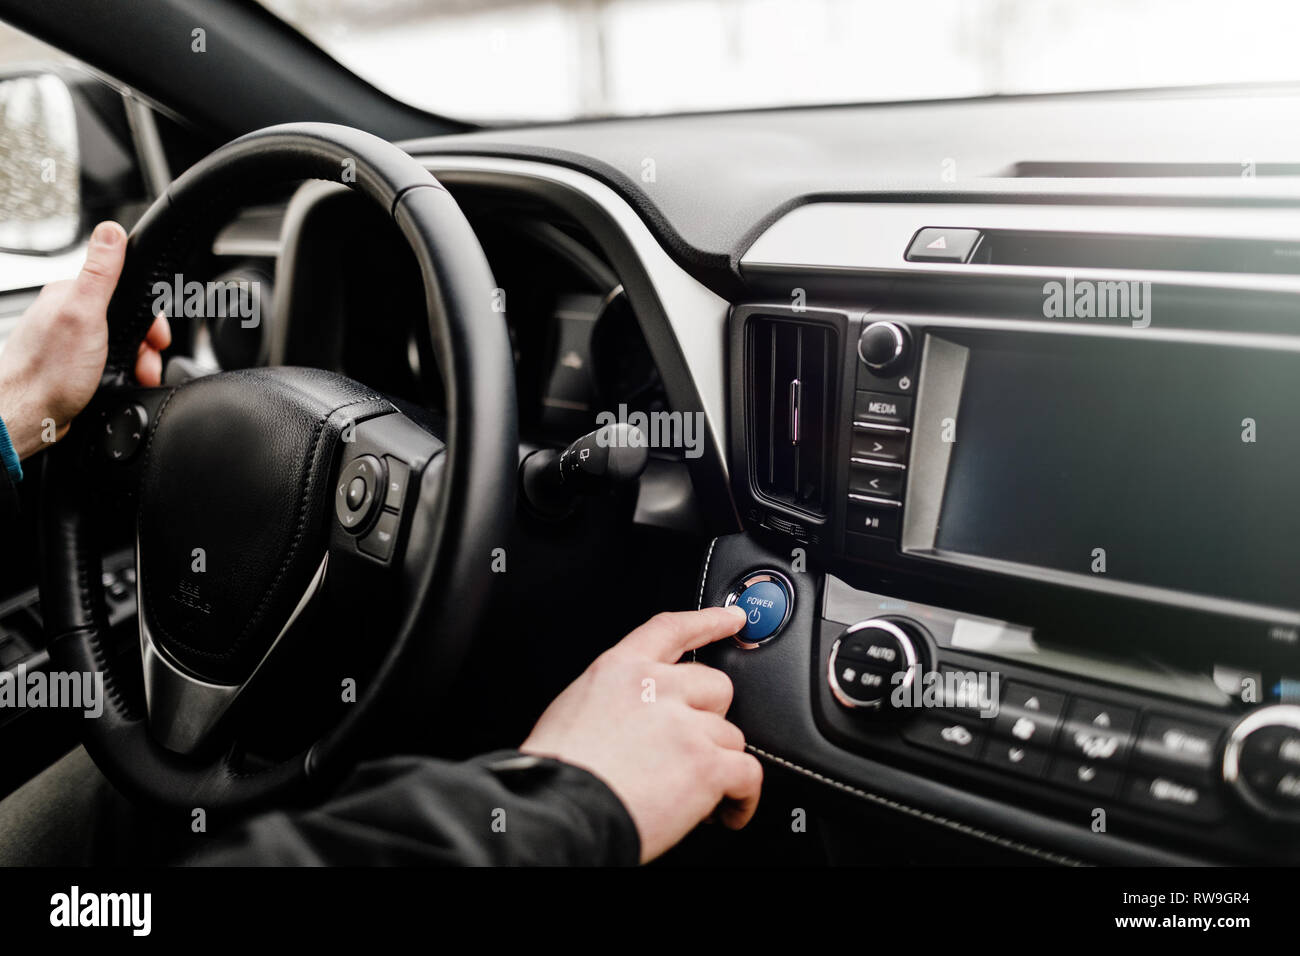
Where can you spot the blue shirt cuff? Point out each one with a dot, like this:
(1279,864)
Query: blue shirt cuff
(8,456)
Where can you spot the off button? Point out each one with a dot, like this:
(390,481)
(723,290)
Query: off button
(767,598)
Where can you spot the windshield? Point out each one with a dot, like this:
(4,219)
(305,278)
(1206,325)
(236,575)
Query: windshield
(537,60)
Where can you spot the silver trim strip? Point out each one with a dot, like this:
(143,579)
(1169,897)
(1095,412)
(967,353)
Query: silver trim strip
(872,237)
(899,466)
(183,709)
(697,315)
(878,427)
(876,501)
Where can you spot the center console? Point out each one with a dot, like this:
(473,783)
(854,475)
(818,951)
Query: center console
(1040,572)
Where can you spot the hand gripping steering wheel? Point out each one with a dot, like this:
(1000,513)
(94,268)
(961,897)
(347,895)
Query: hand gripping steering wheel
(260,493)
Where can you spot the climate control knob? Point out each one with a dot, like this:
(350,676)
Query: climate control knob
(872,658)
(881,346)
(1262,761)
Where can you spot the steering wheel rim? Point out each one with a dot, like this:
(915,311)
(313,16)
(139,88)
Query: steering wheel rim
(446,576)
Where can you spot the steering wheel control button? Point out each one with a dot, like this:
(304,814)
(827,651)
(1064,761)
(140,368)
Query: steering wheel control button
(358,492)
(767,598)
(936,244)
(866,662)
(882,346)
(398,474)
(124,431)
(379,543)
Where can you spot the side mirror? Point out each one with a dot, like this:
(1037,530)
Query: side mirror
(40,175)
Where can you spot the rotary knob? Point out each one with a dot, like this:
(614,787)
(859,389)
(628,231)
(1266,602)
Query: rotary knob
(1261,761)
(872,658)
(882,346)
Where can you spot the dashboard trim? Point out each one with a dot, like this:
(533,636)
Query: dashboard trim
(867,238)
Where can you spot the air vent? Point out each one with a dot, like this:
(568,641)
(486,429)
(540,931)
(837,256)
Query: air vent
(791,367)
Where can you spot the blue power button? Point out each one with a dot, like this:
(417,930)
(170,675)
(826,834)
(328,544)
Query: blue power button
(765,599)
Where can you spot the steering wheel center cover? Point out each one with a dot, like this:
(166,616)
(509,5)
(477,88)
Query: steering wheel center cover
(233,510)
(446,578)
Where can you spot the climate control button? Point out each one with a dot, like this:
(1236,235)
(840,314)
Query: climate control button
(873,657)
(1262,761)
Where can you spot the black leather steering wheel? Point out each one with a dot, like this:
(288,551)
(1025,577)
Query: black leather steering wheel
(258,493)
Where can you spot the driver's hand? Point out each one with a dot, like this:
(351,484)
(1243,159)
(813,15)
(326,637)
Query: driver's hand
(53,359)
(654,731)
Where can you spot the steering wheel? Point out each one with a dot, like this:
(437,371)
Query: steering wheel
(259,492)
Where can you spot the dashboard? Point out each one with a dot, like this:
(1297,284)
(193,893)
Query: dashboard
(999,447)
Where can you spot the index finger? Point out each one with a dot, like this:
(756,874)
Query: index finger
(670,634)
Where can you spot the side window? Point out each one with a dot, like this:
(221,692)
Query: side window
(67,159)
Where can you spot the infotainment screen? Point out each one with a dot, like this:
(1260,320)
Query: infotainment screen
(1169,464)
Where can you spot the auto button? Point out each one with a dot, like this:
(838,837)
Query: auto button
(872,658)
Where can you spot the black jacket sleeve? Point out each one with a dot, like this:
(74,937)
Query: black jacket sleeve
(9,502)
(504,808)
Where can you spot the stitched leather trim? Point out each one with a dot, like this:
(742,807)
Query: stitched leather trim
(963,828)
(699,605)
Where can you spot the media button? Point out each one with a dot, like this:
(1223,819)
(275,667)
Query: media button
(875,481)
(882,408)
(875,518)
(878,444)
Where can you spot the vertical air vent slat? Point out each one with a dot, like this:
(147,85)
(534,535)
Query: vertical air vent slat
(791,369)
(771,415)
